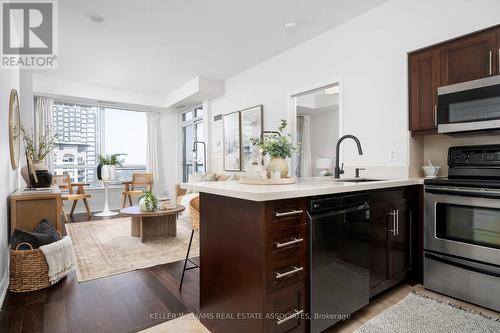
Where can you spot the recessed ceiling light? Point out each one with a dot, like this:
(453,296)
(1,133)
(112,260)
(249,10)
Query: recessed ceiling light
(290,27)
(96,18)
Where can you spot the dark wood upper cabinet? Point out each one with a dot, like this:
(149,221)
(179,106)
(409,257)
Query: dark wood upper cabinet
(423,82)
(498,51)
(463,59)
(469,58)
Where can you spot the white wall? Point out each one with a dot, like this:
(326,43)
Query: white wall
(9,79)
(369,54)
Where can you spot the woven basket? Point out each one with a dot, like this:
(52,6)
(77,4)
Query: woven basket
(194,213)
(28,270)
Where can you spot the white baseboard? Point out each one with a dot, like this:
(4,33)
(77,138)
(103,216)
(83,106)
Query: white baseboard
(4,285)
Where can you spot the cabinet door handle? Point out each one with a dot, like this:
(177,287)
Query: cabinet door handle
(295,314)
(393,230)
(435,115)
(491,62)
(498,65)
(397,222)
(289,243)
(292,212)
(294,270)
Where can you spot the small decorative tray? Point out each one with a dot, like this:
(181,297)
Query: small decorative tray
(268,181)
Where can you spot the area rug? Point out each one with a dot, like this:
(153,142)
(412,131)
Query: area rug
(106,247)
(422,314)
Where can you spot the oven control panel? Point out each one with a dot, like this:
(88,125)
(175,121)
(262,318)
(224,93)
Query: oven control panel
(484,155)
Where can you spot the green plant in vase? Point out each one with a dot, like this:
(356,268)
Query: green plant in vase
(106,169)
(148,201)
(278,147)
(37,148)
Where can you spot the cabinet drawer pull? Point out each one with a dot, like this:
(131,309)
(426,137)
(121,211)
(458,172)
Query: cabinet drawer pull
(295,314)
(292,242)
(292,212)
(294,270)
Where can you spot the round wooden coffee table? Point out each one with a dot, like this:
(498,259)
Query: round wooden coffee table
(151,224)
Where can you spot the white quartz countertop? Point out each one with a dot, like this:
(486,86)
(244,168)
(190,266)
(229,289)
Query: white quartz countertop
(303,188)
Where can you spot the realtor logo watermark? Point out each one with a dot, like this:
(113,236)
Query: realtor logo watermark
(29,34)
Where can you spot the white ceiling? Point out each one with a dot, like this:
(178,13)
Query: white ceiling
(156,46)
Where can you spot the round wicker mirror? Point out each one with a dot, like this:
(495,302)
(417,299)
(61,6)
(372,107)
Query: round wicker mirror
(14,129)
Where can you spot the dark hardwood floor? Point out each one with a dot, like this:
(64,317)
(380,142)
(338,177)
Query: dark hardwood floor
(125,302)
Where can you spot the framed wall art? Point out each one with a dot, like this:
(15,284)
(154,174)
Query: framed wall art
(251,127)
(232,141)
(14,129)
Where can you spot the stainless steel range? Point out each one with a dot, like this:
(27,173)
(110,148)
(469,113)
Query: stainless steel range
(462,227)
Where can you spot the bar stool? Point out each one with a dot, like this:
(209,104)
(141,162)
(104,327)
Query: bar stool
(194,214)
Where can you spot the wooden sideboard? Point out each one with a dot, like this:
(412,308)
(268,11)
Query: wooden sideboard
(27,209)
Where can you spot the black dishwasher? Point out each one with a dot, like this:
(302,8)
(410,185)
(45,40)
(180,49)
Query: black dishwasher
(339,257)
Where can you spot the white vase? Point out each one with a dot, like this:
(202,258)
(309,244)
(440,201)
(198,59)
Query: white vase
(105,172)
(112,172)
(144,207)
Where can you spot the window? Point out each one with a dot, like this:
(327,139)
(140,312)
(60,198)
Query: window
(105,131)
(192,130)
(68,158)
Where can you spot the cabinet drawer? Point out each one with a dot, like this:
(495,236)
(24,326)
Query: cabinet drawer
(287,242)
(286,309)
(283,214)
(283,272)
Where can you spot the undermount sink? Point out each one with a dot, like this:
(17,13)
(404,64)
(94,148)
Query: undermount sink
(357,180)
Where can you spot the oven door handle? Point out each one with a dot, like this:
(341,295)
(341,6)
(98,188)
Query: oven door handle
(478,193)
(465,264)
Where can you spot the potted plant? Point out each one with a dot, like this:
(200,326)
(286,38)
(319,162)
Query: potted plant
(278,147)
(106,170)
(148,202)
(37,151)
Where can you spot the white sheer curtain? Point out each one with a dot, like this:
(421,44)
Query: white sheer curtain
(152,161)
(306,147)
(44,119)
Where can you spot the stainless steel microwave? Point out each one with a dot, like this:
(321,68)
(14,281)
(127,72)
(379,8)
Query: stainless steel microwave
(469,107)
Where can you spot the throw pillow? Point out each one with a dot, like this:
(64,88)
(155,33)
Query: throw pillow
(194,178)
(209,177)
(35,239)
(45,227)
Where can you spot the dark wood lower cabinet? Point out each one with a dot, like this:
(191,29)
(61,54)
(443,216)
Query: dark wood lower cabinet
(254,271)
(290,305)
(391,237)
(253,260)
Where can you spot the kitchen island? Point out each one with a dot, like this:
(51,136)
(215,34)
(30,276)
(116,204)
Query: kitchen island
(255,248)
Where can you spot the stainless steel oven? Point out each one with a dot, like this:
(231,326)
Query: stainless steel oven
(463,222)
(469,107)
(462,243)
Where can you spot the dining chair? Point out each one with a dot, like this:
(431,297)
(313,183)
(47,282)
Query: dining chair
(140,182)
(65,184)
